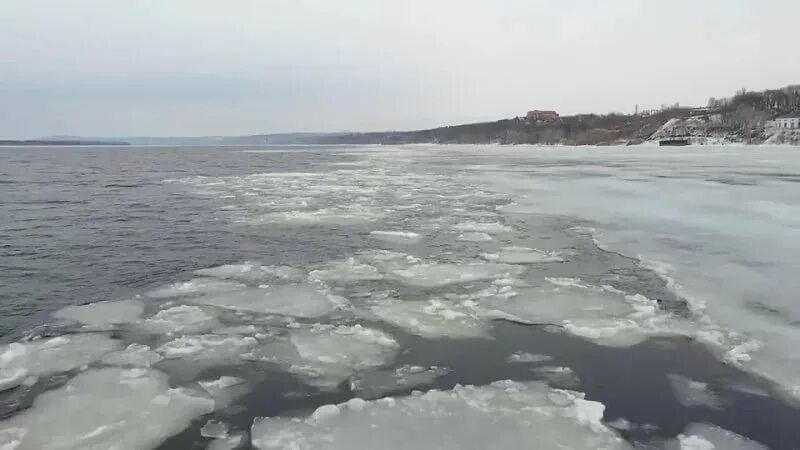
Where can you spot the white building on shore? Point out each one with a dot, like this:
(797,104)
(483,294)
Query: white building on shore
(786,122)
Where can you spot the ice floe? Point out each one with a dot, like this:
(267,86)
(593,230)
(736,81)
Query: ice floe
(135,355)
(214,429)
(523,255)
(299,300)
(206,346)
(401,237)
(326,355)
(701,436)
(557,376)
(251,272)
(692,393)
(347,270)
(196,286)
(475,236)
(504,414)
(433,318)
(104,409)
(442,274)
(482,227)
(48,356)
(525,357)
(102,313)
(181,319)
(232,442)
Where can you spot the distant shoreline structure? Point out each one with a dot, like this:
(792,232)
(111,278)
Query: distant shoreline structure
(58,143)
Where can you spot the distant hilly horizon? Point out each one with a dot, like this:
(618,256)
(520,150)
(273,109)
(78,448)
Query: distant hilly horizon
(254,139)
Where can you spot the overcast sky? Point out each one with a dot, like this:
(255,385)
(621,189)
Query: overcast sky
(213,67)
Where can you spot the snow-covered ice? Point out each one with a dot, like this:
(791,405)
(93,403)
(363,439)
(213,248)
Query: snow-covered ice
(504,414)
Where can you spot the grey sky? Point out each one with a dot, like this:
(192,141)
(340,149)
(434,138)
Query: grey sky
(209,67)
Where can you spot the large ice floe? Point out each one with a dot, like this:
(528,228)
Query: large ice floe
(504,414)
(104,409)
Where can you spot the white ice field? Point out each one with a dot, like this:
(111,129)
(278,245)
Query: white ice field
(451,247)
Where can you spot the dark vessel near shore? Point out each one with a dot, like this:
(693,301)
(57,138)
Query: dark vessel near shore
(673,142)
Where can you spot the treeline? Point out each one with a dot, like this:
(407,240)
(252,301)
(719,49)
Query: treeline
(750,109)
